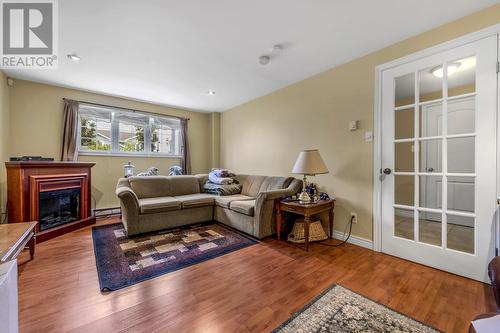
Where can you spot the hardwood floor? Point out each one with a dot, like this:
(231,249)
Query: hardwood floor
(250,290)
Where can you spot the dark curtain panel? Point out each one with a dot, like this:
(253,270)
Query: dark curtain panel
(185,158)
(70,131)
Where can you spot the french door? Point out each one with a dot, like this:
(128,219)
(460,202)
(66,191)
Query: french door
(439,159)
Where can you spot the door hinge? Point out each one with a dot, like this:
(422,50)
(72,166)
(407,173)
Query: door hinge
(498,67)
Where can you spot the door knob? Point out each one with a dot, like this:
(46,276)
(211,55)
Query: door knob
(387,171)
(430,169)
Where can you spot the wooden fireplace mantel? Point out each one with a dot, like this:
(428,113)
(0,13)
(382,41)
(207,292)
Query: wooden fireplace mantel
(43,165)
(27,179)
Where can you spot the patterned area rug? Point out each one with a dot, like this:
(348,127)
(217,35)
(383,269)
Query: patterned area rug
(341,310)
(122,261)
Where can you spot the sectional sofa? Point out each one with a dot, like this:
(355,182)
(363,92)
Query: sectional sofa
(162,202)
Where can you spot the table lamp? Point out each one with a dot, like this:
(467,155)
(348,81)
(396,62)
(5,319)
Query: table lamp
(309,163)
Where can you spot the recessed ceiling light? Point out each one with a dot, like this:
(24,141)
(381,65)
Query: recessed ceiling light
(452,69)
(74,57)
(210,92)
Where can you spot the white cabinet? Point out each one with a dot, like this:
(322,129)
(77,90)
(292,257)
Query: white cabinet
(8,297)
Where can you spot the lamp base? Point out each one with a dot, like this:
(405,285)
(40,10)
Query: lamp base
(304,197)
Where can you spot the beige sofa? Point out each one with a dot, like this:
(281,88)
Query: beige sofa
(161,202)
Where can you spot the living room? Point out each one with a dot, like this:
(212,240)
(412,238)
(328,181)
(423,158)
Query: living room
(250,167)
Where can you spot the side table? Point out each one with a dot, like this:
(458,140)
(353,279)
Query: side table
(14,237)
(306,210)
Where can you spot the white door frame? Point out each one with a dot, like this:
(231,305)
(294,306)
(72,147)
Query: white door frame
(377,119)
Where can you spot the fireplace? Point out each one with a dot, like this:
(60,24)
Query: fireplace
(58,207)
(56,194)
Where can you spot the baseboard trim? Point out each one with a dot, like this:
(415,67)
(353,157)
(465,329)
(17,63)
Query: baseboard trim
(360,241)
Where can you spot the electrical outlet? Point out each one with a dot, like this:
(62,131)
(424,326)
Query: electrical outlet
(354,217)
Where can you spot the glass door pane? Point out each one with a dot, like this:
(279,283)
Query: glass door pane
(404,223)
(460,233)
(404,190)
(429,228)
(404,123)
(430,83)
(404,90)
(462,76)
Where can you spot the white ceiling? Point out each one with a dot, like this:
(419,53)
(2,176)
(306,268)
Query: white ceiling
(172,52)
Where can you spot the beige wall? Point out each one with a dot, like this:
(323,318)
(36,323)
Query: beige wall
(36,129)
(215,139)
(265,135)
(4,139)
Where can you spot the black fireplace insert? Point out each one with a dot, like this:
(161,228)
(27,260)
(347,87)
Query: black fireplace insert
(58,207)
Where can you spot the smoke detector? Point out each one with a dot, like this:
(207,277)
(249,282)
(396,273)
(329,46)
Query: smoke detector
(277,49)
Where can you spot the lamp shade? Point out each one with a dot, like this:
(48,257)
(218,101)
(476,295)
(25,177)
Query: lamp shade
(309,162)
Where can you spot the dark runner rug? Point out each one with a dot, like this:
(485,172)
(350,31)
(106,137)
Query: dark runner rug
(123,261)
(341,310)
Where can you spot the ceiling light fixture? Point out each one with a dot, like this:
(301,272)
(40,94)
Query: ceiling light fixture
(264,60)
(452,69)
(74,57)
(210,92)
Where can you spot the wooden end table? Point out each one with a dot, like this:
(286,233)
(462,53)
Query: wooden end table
(14,237)
(306,210)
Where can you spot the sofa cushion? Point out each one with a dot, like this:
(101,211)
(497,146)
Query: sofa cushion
(196,200)
(225,201)
(246,207)
(163,186)
(182,185)
(250,184)
(158,205)
(150,186)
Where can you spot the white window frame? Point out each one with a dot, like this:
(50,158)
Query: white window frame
(115,133)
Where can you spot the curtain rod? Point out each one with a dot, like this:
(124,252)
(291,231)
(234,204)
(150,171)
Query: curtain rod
(127,109)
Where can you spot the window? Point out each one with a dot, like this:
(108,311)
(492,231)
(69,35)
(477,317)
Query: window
(105,130)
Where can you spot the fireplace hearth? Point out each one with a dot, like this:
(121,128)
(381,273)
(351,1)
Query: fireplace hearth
(58,207)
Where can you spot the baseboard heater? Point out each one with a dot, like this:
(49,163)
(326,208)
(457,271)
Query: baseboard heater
(104,212)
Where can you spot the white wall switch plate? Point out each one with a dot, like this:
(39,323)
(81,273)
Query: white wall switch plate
(353,125)
(369,136)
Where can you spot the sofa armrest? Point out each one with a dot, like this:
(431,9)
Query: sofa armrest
(128,197)
(264,208)
(126,194)
(274,194)
(293,188)
(129,204)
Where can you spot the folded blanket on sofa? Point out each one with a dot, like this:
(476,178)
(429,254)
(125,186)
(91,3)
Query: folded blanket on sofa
(213,178)
(223,173)
(218,189)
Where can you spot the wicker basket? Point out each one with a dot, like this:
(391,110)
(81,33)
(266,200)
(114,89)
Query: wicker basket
(316,232)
